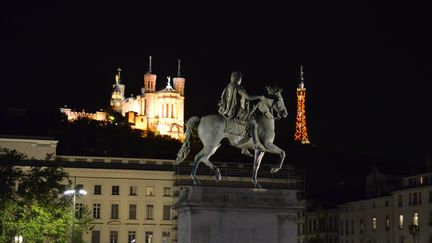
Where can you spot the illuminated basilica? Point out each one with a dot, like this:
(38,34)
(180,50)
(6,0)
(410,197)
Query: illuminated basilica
(159,111)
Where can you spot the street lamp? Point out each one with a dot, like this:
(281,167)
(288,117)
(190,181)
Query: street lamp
(74,192)
(18,239)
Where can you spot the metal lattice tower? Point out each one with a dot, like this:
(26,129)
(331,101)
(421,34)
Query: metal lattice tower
(301,129)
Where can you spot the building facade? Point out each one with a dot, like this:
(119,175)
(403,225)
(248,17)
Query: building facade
(318,225)
(160,111)
(126,204)
(33,147)
(404,216)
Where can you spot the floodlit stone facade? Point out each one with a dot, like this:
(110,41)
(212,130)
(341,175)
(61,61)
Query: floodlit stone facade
(126,204)
(159,111)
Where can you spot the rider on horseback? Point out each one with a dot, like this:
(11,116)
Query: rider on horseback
(234,106)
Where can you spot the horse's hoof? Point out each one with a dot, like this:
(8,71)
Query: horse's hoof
(218,176)
(257,185)
(274,170)
(196,182)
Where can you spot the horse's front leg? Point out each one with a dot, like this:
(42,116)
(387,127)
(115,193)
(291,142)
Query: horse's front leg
(257,162)
(276,150)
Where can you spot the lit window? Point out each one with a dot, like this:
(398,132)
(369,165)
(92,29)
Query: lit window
(150,191)
(374,223)
(387,223)
(415,219)
(401,221)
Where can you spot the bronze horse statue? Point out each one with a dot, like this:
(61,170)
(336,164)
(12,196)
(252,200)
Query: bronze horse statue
(211,130)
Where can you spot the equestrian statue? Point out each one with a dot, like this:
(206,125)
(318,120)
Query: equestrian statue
(248,122)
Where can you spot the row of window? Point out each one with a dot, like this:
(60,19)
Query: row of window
(347,227)
(131,237)
(414,198)
(133,190)
(167,110)
(315,224)
(421,180)
(149,211)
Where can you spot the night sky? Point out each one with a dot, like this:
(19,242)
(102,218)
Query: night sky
(368,66)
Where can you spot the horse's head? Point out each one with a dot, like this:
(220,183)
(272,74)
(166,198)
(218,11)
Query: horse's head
(278,103)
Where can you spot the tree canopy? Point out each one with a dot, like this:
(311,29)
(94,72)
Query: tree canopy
(31,202)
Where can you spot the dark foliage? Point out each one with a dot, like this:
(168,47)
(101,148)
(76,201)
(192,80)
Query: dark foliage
(94,138)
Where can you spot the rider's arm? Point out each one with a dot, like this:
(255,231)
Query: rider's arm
(245,95)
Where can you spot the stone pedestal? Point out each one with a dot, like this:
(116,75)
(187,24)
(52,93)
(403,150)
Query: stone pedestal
(237,215)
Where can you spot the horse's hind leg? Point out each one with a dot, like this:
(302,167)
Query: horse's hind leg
(210,164)
(203,156)
(194,170)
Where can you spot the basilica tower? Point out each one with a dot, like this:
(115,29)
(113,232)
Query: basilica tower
(117,95)
(179,86)
(179,82)
(151,113)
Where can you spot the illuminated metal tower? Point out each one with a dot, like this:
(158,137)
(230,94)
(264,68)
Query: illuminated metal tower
(301,130)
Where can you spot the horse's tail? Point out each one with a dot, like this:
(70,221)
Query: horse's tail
(191,126)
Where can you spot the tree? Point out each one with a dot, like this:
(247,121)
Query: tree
(88,137)
(31,202)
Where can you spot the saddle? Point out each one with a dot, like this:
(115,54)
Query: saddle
(236,127)
(240,125)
